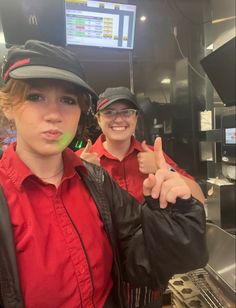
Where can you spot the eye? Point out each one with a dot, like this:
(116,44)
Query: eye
(109,113)
(69,100)
(34,97)
(128,112)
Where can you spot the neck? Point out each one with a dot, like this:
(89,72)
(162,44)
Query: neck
(118,148)
(47,168)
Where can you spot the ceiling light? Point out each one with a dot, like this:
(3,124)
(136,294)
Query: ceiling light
(216,21)
(210,47)
(143,18)
(2,39)
(166,81)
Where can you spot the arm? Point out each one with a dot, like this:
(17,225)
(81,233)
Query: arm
(166,234)
(195,189)
(157,243)
(147,164)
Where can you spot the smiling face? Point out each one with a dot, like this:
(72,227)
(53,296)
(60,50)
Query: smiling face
(118,128)
(47,119)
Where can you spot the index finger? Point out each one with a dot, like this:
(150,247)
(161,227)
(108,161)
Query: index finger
(159,156)
(88,147)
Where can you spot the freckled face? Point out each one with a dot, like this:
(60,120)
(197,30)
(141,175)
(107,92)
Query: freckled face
(118,128)
(47,120)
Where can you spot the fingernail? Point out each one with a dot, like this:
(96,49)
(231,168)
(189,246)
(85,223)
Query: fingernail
(154,196)
(163,205)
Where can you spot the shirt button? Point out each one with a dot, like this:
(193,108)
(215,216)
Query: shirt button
(81,269)
(69,231)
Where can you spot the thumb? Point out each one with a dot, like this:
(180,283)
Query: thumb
(88,147)
(145,147)
(159,156)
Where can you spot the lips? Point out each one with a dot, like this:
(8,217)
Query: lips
(52,134)
(118,128)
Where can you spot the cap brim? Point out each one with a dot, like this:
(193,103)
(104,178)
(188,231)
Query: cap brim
(118,98)
(43,72)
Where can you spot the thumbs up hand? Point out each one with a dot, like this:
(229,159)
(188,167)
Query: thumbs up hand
(146,160)
(165,184)
(88,155)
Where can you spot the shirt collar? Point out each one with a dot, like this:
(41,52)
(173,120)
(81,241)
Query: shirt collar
(98,147)
(18,171)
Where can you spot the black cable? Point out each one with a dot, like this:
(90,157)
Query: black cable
(164,94)
(186,16)
(177,42)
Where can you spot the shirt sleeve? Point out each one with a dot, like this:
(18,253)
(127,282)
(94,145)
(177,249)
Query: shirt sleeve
(174,242)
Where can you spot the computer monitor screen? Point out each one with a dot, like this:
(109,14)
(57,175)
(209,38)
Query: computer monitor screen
(220,68)
(230,135)
(100,24)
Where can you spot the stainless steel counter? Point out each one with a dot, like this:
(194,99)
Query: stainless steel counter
(222,250)
(215,285)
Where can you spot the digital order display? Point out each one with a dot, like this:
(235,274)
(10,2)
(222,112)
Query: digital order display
(100,24)
(230,135)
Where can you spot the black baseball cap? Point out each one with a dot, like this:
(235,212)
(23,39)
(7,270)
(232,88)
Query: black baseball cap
(39,60)
(111,95)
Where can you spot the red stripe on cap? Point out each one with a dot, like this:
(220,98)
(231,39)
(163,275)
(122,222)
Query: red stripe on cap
(16,64)
(102,103)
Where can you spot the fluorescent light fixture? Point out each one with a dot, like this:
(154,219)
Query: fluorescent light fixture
(2,39)
(216,21)
(166,81)
(143,18)
(210,47)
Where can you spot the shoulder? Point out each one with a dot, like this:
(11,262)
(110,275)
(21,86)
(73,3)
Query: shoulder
(99,176)
(93,171)
(78,152)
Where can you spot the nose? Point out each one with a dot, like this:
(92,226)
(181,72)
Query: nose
(53,112)
(118,117)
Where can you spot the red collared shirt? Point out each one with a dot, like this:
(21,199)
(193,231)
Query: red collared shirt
(126,172)
(63,253)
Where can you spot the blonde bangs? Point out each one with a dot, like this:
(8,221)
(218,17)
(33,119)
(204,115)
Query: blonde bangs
(13,92)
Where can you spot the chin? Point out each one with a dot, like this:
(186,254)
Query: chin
(121,137)
(50,150)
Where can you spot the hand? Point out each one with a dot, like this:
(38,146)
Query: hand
(88,155)
(146,160)
(165,185)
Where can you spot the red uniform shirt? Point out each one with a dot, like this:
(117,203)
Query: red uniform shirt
(126,172)
(63,253)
